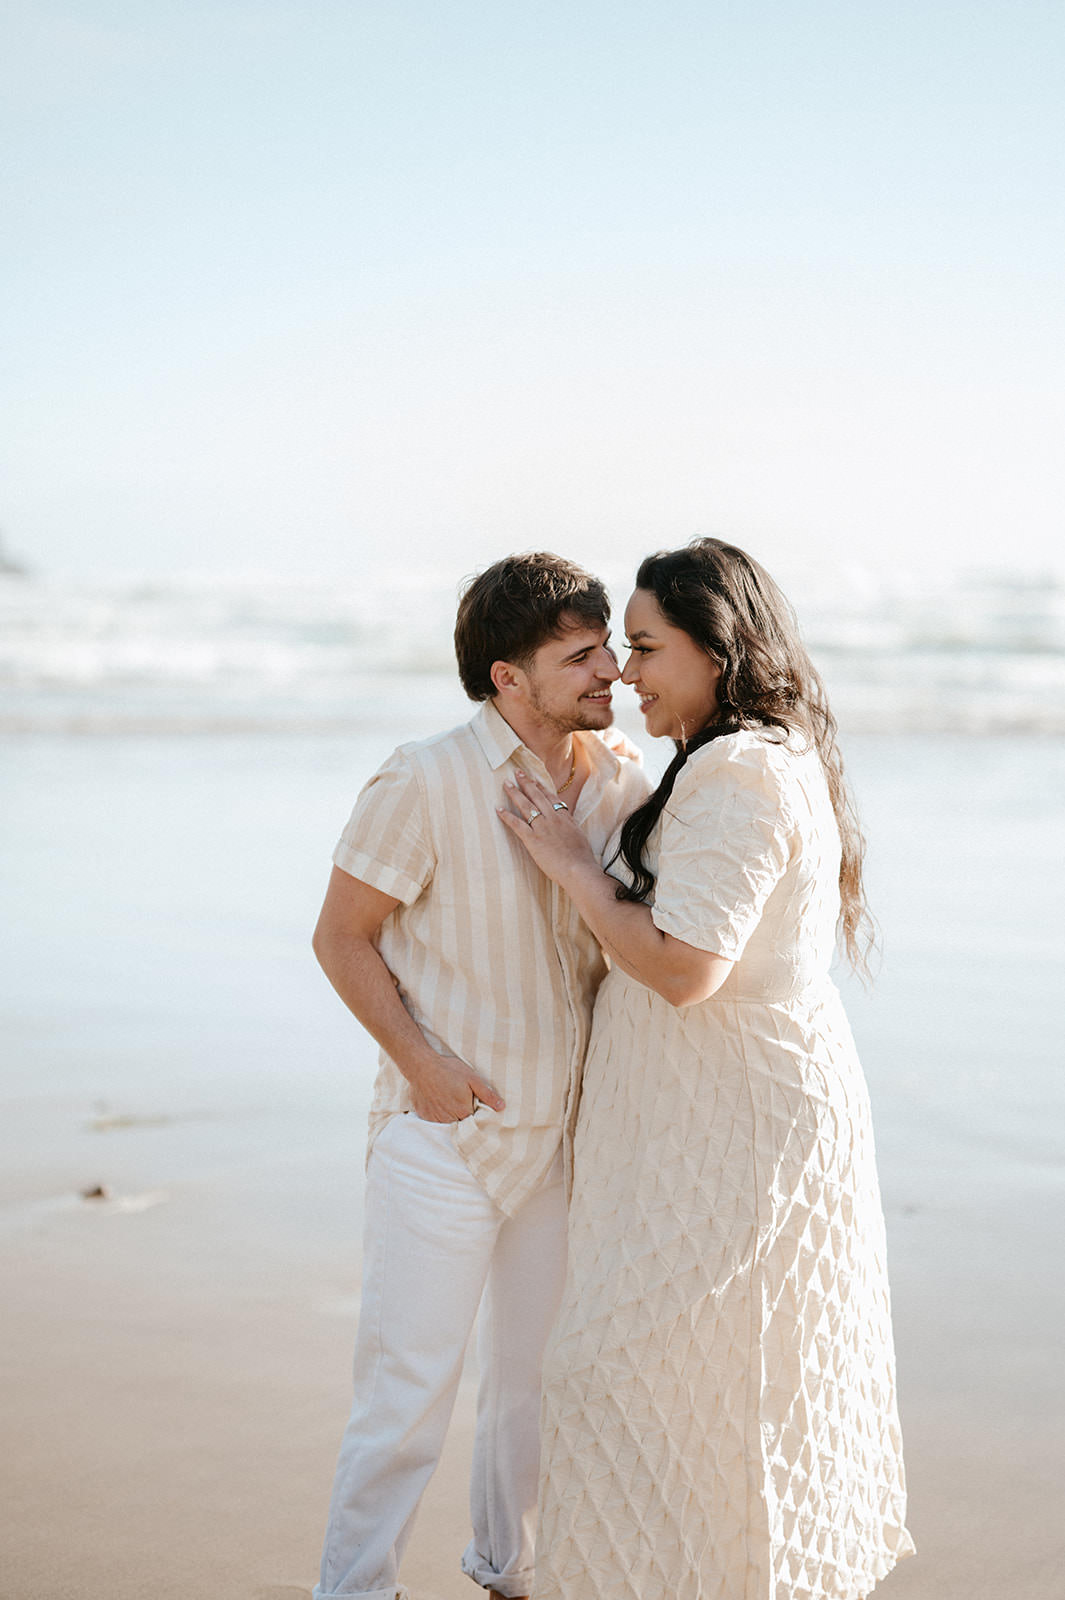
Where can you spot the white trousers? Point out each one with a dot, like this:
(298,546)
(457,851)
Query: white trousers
(435,1245)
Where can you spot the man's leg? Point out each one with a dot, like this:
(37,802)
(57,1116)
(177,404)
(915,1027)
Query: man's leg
(521,1300)
(430,1234)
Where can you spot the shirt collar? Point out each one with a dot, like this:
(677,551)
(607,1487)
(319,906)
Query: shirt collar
(494,735)
(498,740)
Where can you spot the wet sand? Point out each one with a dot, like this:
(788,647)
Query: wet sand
(176,1368)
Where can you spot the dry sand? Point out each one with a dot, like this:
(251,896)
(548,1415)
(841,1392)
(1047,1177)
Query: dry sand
(176,1379)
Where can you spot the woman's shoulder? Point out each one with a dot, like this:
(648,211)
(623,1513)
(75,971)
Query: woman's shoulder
(758,762)
(748,752)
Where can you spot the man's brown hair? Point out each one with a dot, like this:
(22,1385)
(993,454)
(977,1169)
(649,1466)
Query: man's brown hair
(508,611)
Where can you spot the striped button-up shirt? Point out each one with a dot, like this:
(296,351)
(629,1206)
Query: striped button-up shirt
(491,958)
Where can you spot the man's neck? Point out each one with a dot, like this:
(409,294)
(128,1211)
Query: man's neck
(555,746)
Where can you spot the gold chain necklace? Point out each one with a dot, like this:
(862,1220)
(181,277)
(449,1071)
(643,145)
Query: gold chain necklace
(572,773)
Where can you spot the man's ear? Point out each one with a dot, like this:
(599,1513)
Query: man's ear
(506,678)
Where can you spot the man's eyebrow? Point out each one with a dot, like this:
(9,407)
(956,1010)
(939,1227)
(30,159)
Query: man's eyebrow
(583,651)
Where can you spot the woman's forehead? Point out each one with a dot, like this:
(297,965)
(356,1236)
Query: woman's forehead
(643,613)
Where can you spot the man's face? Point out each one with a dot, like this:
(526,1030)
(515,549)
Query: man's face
(568,679)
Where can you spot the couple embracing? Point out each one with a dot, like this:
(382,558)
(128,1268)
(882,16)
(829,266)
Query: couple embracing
(587,991)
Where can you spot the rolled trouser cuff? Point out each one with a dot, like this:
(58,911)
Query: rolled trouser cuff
(513,1585)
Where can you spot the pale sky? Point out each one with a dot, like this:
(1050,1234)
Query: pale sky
(305,286)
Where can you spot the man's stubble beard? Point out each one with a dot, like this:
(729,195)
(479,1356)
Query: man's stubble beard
(579,721)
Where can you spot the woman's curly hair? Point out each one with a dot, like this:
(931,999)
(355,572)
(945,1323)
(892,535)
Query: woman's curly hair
(732,609)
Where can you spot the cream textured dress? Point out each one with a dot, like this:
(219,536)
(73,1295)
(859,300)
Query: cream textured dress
(719,1410)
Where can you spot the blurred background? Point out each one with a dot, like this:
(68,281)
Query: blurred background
(312,310)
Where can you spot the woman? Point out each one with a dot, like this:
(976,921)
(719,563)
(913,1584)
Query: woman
(719,1412)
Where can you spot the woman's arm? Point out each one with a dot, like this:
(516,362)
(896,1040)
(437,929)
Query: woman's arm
(679,972)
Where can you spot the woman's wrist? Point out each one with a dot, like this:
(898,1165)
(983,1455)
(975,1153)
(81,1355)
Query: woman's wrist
(586,883)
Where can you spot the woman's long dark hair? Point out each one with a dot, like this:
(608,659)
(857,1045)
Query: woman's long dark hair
(733,610)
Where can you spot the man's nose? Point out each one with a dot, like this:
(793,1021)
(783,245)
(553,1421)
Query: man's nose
(607,665)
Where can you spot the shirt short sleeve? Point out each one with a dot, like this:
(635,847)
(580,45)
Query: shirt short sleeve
(725,843)
(622,746)
(387,841)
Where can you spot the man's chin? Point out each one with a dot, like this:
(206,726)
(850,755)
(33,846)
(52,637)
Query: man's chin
(594,717)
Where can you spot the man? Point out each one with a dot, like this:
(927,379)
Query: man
(476,977)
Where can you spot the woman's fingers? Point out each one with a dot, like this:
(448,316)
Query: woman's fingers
(525,804)
(550,837)
(531,788)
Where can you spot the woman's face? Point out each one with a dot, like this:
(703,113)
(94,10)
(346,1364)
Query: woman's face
(675,680)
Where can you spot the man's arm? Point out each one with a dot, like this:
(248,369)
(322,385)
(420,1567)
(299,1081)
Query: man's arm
(442,1088)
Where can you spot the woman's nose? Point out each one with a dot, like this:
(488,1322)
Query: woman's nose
(631,672)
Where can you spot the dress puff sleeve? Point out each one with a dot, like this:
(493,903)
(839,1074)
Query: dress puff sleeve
(724,845)
(387,841)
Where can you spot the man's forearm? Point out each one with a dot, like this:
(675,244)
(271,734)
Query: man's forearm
(368,989)
(443,1088)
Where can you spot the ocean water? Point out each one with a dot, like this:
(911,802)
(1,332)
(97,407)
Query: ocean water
(901,652)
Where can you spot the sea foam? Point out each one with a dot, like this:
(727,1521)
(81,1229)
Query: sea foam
(901,652)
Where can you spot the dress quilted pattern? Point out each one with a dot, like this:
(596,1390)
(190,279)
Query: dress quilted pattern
(719,1411)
